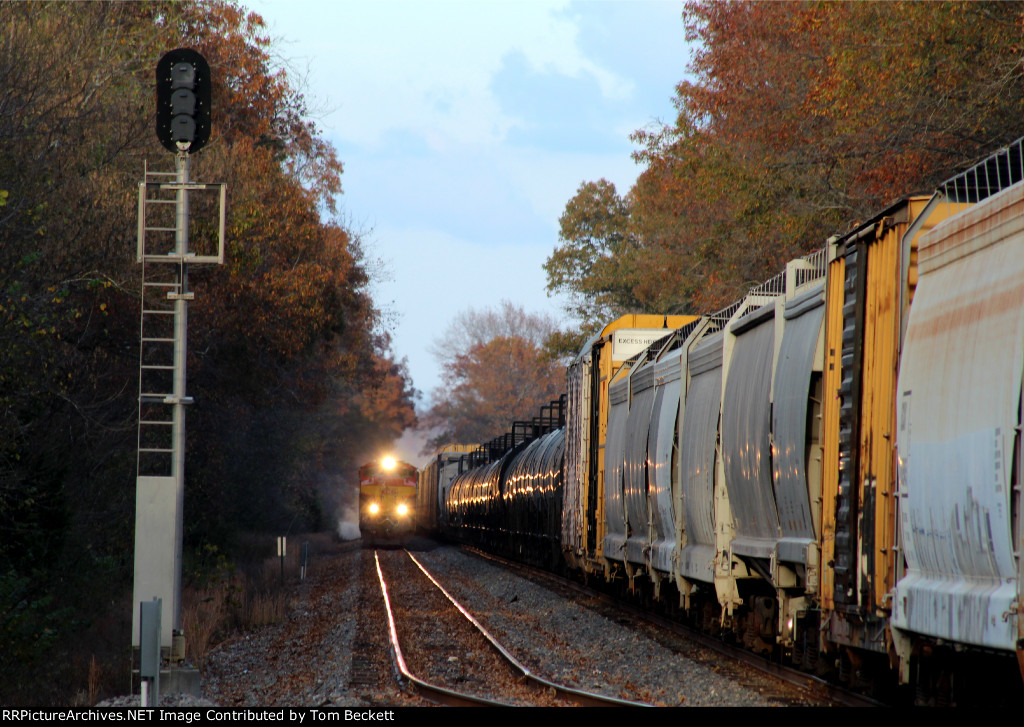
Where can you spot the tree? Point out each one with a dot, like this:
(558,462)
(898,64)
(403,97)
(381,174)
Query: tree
(284,338)
(472,328)
(71,118)
(799,119)
(596,262)
(495,371)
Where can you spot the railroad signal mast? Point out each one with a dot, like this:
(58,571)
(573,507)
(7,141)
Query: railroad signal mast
(183,121)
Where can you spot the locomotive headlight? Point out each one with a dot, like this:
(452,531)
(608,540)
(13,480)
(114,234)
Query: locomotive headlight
(388,463)
(403,509)
(374,508)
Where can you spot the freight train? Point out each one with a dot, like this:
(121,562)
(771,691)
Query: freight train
(387,500)
(827,471)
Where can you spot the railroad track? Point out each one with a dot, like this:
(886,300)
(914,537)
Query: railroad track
(815,687)
(449,657)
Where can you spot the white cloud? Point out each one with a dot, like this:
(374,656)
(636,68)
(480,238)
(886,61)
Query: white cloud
(425,68)
(551,46)
(465,127)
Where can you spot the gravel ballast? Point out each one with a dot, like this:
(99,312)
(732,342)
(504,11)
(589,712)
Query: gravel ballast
(336,614)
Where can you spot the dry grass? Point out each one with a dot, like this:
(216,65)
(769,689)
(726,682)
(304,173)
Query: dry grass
(95,677)
(203,614)
(263,609)
(241,601)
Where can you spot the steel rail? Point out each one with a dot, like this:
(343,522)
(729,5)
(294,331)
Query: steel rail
(425,689)
(815,686)
(576,696)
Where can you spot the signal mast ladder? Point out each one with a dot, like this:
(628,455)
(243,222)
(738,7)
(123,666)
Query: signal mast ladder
(163,252)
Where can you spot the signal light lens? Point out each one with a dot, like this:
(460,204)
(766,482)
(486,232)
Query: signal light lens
(183,75)
(183,90)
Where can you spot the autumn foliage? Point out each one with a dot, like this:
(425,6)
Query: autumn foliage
(796,120)
(494,371)
(288,364)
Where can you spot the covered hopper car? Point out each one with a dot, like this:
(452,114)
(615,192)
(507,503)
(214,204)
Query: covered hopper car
(827,471)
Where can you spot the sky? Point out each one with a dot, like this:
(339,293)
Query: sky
(464,128)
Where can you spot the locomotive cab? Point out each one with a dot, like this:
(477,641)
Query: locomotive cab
(387,499)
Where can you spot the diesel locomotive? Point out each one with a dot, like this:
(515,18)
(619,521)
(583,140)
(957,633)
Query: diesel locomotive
(827,471)
(387,500)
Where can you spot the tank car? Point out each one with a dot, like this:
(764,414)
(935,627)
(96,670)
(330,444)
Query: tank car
(509,498)
(387,500)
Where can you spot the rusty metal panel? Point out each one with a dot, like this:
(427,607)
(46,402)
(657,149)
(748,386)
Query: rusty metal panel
(661,447)
(634,476)
(603,369)
(876,458)
(791,398)
(830,406)
(614,458)
(746,424)
(866,317)
(960,393)
(577,453)
(698,458)
(847,504)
